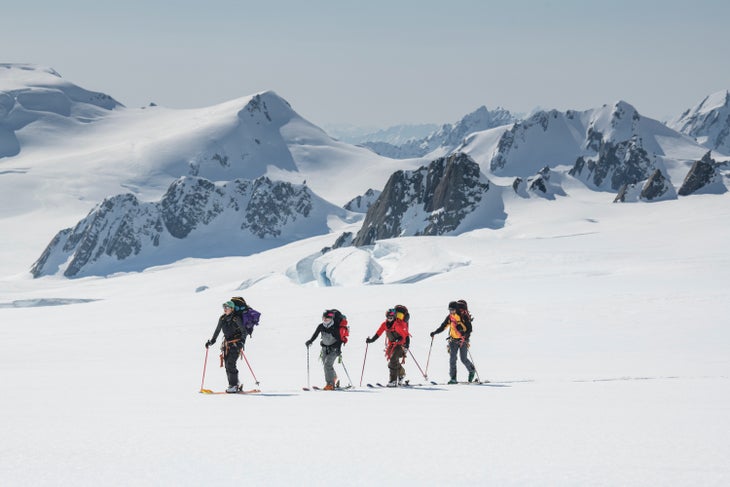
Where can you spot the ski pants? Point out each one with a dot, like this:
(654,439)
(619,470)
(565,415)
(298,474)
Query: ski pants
(457,347)
(329,355)
(230,357)
(394,364)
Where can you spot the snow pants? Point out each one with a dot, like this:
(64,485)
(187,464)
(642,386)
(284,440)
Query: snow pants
(394,364)
(457,347)
(231,354)
(329,355)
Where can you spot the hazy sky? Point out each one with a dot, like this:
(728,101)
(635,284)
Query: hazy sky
(382,62)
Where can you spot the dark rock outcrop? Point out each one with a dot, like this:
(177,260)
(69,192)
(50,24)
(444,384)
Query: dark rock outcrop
(703,173)
(432,200)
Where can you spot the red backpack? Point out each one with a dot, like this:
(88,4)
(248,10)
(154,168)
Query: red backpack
(341,321)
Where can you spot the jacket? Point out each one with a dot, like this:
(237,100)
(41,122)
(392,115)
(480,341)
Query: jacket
(459,326)
(231,327)
(397,333)
(330,336)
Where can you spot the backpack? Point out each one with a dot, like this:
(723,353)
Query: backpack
(401,313)
(249,316)
(341,321)
(463,310)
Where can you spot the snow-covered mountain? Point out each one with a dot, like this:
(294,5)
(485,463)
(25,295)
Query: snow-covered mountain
(31,95)
(708,122)
(144,150)
(446,138)
(70,167)
(195,218)
(606,148)
(61,167)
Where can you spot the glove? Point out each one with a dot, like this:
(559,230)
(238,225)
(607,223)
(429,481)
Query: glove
(308,343)
(369,340)
(433,333)
(209,343)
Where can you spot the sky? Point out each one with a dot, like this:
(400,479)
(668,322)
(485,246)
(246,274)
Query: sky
(381,63)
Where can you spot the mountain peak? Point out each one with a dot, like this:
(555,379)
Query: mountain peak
(708,122)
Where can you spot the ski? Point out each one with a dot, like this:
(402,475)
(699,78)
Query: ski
(317,388)
(249,391)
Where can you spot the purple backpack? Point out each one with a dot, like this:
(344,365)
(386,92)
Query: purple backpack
(249,316)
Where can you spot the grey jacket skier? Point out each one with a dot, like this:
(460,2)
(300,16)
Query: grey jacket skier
(331,347)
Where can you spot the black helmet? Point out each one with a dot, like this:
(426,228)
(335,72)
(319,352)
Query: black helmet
(328,313)
(454,305)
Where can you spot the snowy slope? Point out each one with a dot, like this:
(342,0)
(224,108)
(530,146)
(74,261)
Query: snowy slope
(602,327)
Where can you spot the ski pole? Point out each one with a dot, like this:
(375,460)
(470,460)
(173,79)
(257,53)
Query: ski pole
(205,365)
(309,386)
(346,373)
(428,360)
(363,363)
(416,362)
(249,367)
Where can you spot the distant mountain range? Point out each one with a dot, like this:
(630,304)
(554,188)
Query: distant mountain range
(395,135)
(251,174)
(446,138)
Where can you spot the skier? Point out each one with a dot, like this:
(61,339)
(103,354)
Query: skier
(232,327)
(331,347)
(398,339)
(459,323)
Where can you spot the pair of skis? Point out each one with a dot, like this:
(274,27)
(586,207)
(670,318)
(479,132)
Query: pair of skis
(249,391)
(430,383)
(317,388)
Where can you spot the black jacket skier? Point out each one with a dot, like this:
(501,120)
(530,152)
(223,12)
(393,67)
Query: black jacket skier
(230,324)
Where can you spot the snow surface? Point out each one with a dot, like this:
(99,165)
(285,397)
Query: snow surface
(603,328)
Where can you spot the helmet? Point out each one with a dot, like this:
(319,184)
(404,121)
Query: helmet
(390,313)
(328,313)
(454,305)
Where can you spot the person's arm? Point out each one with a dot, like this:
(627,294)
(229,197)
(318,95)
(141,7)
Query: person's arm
(377,334)
(314,337)
(440,328)
(215,333)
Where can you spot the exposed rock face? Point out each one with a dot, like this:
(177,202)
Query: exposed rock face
(195,218)
(362,203)
(616,165)
(656,188)
(432,200)
(703,173)
(540,185)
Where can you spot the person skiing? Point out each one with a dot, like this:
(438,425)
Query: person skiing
(396,347)
(232,327)
(331,347)
(459,323)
